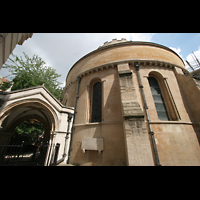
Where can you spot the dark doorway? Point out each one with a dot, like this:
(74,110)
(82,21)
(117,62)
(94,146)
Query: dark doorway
(26,146)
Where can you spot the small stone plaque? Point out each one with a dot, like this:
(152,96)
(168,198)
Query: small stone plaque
(92,144)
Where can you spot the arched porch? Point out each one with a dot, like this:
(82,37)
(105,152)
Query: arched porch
(35,103)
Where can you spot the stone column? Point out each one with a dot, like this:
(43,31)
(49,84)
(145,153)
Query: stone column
(137,141)
(50,148)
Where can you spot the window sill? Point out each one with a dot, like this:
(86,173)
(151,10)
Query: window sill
(98,123)
(171,122)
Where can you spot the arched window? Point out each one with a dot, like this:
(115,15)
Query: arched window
(158,99)
(96,112)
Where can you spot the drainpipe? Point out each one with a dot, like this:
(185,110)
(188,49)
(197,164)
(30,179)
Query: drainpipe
(70,115)
(75,111)
(147,114)
(67,137)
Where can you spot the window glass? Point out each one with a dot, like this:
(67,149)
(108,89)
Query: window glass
(158,99)
(96,102)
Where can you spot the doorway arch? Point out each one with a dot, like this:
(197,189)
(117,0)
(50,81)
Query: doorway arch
(37,103)
(19,111)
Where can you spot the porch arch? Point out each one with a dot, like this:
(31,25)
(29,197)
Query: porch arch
(19,111)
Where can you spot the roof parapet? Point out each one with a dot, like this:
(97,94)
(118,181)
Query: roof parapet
(114,41)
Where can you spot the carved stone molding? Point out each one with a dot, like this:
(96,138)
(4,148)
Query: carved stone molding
(144,62)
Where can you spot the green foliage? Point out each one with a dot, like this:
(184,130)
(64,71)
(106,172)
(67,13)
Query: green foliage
(29,73)
(29,130)
(5,85)
(32,72)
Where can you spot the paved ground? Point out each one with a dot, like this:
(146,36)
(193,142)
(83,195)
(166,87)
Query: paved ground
(64,164)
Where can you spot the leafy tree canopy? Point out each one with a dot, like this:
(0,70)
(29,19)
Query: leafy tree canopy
(5,85)
(29,131)
(32,72)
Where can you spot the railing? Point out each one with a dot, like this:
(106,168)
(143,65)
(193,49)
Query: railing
(10,154)
(29,155)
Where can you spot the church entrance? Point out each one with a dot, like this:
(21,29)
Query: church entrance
(34,128)
(25,136)
(26,146)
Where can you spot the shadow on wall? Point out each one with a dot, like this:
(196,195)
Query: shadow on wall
(89,157)
(191,96)
(112,133)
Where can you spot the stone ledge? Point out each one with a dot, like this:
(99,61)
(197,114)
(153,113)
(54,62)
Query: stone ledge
(172,122)
(98,123)
(131,109)
(124,72)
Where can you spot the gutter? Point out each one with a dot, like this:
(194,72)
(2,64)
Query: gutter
(147,114)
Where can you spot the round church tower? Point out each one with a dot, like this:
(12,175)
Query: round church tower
(129,107)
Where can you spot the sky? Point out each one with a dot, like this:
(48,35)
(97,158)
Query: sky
(62,50)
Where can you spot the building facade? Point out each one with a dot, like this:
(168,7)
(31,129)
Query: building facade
(36,103)
(135,104)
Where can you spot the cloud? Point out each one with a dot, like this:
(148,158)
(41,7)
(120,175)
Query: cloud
(62,50)
(141,36)
(188,58)
(191,56)
(192,60)
(177,50)
(131,36)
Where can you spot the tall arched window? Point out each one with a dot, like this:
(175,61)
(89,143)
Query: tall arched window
(96,112)
(158,99)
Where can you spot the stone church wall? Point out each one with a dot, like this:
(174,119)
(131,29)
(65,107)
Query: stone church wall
(125,128)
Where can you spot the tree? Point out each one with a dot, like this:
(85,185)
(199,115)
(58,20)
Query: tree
(29,73)
(30,130)
(5,85)
(32,72)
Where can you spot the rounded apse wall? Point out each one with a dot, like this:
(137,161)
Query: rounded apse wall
(123,51)
(126,140)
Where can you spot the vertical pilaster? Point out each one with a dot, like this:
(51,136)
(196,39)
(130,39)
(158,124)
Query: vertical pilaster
(138,149)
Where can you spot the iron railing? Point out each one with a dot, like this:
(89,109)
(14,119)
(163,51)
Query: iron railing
(29,155)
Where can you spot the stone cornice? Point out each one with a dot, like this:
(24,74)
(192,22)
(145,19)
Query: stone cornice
(142,62)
